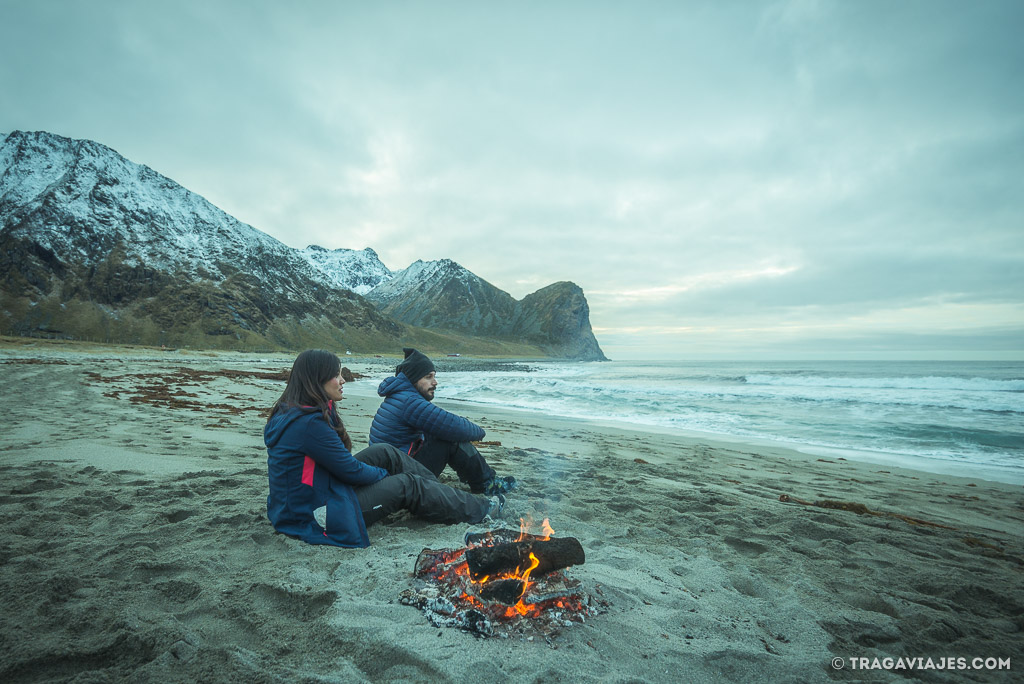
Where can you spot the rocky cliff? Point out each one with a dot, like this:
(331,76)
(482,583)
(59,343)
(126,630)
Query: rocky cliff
(443,295)
(557,319)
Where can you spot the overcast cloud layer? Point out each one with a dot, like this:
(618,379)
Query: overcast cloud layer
(789,179)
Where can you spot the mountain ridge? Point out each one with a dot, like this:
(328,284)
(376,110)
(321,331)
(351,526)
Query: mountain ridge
(93,244)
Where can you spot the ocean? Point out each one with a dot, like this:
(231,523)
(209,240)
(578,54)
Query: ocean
(962,418)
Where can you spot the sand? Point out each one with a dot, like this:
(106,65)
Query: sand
(137,548)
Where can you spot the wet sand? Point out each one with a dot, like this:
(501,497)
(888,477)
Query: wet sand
(136,546)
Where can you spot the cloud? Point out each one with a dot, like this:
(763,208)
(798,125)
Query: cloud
(960,331)
(703,167)
(693,284)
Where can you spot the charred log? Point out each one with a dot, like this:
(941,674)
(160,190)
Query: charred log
(506,591)
(553,587)
(553,554)
(436,562)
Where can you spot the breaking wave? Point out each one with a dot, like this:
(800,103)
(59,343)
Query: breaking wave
(962,413)
(909,383)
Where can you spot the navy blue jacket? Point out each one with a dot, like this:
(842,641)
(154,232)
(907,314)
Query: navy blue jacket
(405,417)
(309,467)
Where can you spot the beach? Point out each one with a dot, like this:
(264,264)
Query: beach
(137,548)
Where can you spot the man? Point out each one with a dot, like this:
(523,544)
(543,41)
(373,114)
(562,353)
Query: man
(409,421)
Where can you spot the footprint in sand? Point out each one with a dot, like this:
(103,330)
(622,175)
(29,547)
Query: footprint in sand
(745,547)
(179,591)
(37,486)
(178,516)
(294,601)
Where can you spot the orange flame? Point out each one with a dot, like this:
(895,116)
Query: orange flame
(534,562)
(524,608)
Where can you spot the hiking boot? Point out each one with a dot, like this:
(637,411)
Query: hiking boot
(500,485)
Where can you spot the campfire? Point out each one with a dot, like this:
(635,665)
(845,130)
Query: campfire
(502,583)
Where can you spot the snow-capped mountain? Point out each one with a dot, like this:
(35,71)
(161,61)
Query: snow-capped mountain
(95,246)
(102,200)
(446,295)
(350,269)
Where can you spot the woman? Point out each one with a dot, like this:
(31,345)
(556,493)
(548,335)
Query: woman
(320,492)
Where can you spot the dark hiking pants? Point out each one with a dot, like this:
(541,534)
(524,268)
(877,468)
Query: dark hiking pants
(411,486)
(463,457)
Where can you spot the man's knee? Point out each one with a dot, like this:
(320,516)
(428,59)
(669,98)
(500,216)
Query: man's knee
(467,448)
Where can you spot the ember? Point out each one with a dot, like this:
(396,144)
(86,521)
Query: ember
(503,582)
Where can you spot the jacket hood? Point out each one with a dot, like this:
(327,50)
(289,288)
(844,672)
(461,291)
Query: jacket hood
(395,383)
(276,426)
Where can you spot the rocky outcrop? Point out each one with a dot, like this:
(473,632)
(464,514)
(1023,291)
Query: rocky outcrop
(557,319)
(443,295)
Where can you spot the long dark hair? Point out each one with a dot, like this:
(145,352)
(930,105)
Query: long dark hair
(305,389)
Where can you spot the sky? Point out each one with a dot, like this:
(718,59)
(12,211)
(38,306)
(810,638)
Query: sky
(798,179)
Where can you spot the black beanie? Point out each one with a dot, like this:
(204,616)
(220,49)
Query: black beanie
(415,366)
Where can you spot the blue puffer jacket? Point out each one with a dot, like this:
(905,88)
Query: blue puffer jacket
(405,416)
(309,467)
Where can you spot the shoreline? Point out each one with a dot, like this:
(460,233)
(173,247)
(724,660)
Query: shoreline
(370,364)
(138,548)
(546,432)
(965,471)
(792,449)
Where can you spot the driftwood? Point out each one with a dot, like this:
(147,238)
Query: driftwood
(553,554)
(860,509)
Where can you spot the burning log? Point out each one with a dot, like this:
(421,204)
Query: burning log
(507,591)
(513,557)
